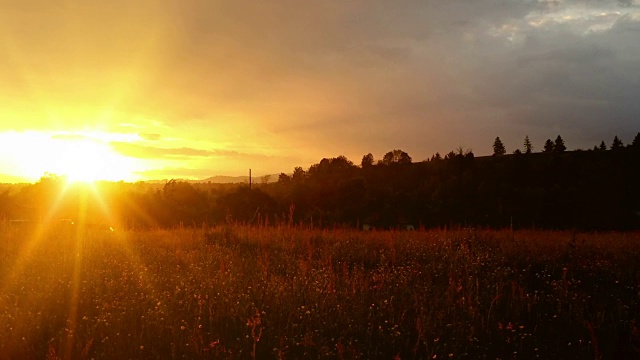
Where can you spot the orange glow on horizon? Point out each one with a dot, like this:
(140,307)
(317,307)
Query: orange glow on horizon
(79,158)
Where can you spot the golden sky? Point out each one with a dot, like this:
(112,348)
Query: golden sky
(140,90)
(124,82)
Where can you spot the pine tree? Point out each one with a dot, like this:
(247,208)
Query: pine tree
(617,144)
(559,146)
(528,147)
(498,147)
(603,146)
(636,142)
(548,146)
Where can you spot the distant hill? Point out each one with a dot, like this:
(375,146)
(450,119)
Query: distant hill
(219,179)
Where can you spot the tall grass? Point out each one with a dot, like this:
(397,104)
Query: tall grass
(238,292)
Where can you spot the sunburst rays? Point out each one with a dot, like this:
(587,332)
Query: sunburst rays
(76,244)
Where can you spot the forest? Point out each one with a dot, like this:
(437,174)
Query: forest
(594,189)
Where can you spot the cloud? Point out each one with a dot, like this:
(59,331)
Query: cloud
(577,83)
(175,172)
(152,152)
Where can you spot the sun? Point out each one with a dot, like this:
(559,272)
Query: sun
(89,161)
(79,156)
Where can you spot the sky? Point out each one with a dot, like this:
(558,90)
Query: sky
(139,90)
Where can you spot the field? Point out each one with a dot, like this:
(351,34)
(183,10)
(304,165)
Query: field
(238,292)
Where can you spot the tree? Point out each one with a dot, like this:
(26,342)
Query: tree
(450,155)
(559,146)
(498,147)
(184,203)
(340,164)
(636,142)
(284,178)
(603,146)
(245,204)
(298,174)
(517,152)
(396,157)
(528,147)
(367,160)
(617,144)
(548,146)
(334,167)
(469,154)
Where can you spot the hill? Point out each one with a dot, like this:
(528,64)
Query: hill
(220,179)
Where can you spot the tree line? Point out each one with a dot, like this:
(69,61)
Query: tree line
(594,189)
(557,146)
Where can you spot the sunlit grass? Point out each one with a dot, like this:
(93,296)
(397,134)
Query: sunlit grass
(281,292)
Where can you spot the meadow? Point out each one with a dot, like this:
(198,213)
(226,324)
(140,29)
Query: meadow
(240,292)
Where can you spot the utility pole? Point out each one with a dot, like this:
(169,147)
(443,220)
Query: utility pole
(249,179)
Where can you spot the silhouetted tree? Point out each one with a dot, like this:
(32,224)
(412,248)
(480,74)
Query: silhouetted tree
(617,144)
(603,146)
(284,178)
(341,164)
(498,147)
(636,141)
(298,174)
(184,203)
(43,194)
(548,146)
(396,157)
(335,167)
(436,157)
(245,204)
(582,190)
(367,160)
(517,152)
(528,147)
(559,146)
(450,155)
(469,154)
(351,197)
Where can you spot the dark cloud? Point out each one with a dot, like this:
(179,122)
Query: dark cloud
(377,76)
(577,84)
